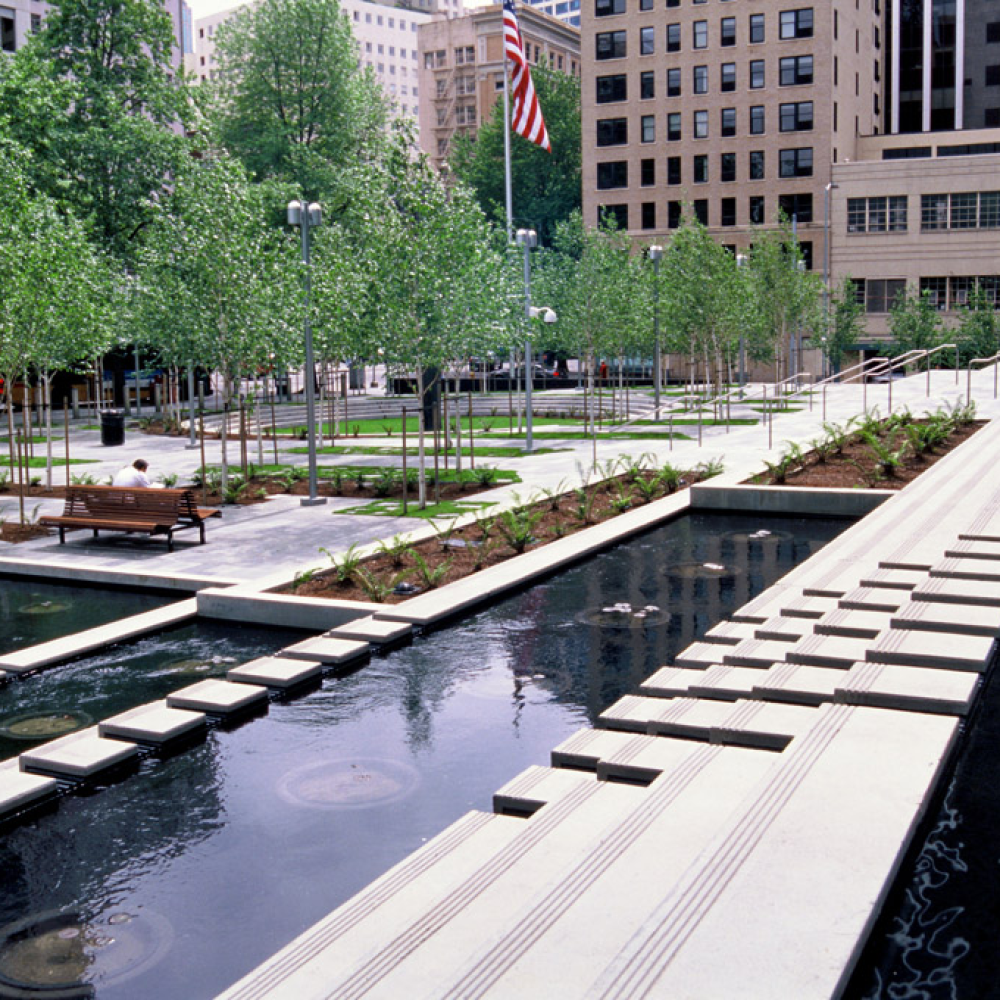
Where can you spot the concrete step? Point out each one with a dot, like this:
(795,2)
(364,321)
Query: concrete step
(853,624)
(947,651)
(836,651)
(967,569)
(929,616)
(761,653)
(700,655)
(915,689)
(764,606)
(978,548)
(950,590)
(784,629)
(808,607)
(893,579)
(220,698)
(729,633)
(587,747)
(874,599)
(153,724)
(799,684)
(535,787)
(78,756)
(373,630)
(279,672)
(335,652)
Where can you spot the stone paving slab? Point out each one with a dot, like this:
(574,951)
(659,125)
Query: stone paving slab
(886,599)
(153,724)
(217,697)
(671,682)
(967,569)
(979,548)
(948,590)
(726,683)
(808,607)
(894,579)
(373,630)
(327,650)
(276,672)
(761,653)
(79,755)
(933,616)
(700,655)
(829,651)
(915,689)
(853,623)
(764,606)
(799,684)
(784,629)
(587,747)
(729,633)
(20,790)
(948,651)
(535,787)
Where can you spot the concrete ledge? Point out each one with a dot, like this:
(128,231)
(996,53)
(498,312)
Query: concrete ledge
(58,650)
(314,613)
(83,573)
(20,791)
(791,500)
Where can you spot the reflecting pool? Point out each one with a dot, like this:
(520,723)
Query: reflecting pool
(215,858)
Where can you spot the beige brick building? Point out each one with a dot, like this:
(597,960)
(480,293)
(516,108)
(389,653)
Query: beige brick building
(461,68)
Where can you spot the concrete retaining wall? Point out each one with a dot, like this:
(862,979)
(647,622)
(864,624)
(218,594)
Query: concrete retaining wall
(789,500)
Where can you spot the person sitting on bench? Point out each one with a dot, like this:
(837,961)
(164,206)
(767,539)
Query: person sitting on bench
(133,475)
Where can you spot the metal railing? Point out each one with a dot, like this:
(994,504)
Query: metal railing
(982,362)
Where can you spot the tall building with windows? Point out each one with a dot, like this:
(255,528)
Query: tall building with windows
(733,111)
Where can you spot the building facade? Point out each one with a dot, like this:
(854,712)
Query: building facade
(462,67)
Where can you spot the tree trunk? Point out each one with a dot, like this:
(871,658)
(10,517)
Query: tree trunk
(421,453)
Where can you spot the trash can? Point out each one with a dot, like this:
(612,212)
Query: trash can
(112,427)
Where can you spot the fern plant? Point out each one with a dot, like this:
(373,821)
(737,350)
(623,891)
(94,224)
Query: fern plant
(429,575)
(344,568)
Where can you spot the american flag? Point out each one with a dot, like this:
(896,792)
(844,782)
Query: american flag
(527,115)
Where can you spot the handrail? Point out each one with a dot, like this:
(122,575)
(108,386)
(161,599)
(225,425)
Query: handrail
(995,361)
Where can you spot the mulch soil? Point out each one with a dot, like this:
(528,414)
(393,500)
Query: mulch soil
(854,467)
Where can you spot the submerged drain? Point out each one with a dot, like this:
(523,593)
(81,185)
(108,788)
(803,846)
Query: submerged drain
(623,615)
(44,607)
(43,725)
(349,784)
(703,571)
(764,536)
(63,955)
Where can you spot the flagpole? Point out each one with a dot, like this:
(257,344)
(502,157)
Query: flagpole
(509,201)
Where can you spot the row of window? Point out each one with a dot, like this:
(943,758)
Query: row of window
(368,20)
(791,163)
(792,24)
(968,210)
(878,295)
(792,71)
(792,117)
(877,215)
(790,205)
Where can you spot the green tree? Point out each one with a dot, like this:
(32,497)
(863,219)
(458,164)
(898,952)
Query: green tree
(545,186)
(291,102)
(914,324)
(845,323)
(978,327)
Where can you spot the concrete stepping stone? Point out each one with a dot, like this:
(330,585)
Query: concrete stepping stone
(670,682)
(218,697)
(915,689)
(374,630)
(784,629)
(932,649)
(20,791)
(762,653)
(535,787)
(893,579)
(967,548)
(279,672)
(947,590)
(808,607)
(729,633)
(700,655)
(154,724)
(839,652)
(327,650)
(79,755)
(799,684)
(932,616)
(725,683)
(874,599)
(853,623)
(587,747)
(967,569)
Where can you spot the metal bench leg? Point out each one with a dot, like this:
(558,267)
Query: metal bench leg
(201,528)
(95,532)
(62,535)
(170,540)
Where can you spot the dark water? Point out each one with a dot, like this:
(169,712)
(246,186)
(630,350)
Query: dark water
(937,938)
(33,611)
(133,673)
(217,857)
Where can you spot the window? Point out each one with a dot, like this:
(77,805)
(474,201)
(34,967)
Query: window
(727,167)
(701,169)
(700,32)
(673,214)
(796,23)
(645,5)
(701,79)
(610,45)
(611,89)
(936,291)
(992,32)
(933,211)
(701,124)
(797,206)
(465,54)
(993,76)
(897,213)
(881,294)
(701,210)
(674,126)
(961,288)
(727,212)
(612,175)
(793,70)
(756,74)
(612,131)
(989,209)
(36,23)
(646,41)
(728,124)
(647,85)
(757,119)
(604,8)
(647,172)
(796,117)
(617,214)
(795,162)
(963,211)
(674,82)
(877,215)
(727,77)
(727,31)
(756,209)
(648,123)
(756,28)
(857,215)
(648,215)
(673,38)
(673,170)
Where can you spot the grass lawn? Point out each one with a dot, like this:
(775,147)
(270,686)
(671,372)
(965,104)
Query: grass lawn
(486,451)
(500,476)
(39,462)
(393,426)
(394,508)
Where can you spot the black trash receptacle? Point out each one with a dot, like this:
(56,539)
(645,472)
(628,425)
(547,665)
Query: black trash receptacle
(112,427)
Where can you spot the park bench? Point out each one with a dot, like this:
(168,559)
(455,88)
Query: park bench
(119,508)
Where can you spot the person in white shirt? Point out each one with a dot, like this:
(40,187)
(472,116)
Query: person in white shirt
(133,475)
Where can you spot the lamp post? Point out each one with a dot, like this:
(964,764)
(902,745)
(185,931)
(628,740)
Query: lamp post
(527,238)
(656,255)
(741,261)
(826,251)
(307,217)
